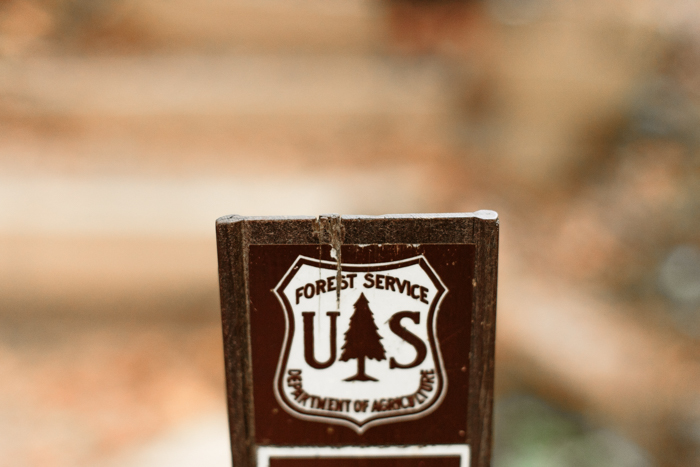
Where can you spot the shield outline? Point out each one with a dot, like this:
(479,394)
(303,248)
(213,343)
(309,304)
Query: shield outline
(379,419)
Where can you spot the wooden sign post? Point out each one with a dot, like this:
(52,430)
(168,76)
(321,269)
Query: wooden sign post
(359,341)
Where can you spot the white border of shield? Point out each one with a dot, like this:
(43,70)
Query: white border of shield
(339,421)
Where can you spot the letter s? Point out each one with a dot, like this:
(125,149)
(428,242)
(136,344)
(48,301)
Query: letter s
(408,336)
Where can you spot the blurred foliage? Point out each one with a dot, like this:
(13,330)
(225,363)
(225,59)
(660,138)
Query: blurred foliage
(532,433)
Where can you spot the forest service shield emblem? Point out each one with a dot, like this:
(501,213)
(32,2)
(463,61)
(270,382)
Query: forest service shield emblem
(360,347)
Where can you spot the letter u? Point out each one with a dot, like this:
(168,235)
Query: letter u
(309,354)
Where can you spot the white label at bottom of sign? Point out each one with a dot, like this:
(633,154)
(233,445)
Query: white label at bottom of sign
(265,453)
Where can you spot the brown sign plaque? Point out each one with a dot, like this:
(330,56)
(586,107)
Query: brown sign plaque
(359,341)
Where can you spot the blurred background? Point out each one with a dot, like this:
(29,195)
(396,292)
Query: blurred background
(127,127)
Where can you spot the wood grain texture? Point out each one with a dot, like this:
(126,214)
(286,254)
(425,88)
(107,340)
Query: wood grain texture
(235,234)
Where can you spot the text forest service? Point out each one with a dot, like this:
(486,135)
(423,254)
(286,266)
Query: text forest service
(367,336)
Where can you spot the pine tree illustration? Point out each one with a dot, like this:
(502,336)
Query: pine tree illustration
(362,340)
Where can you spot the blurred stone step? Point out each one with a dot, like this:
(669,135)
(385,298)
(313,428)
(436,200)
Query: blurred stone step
(228,111)
(186,207)
(242,25)
(345,25)
(218,86)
